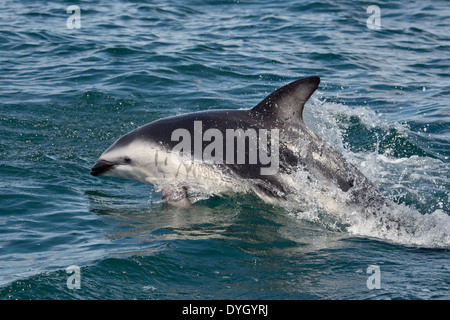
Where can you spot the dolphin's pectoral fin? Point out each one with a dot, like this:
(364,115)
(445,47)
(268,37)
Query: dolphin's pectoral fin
(176,196)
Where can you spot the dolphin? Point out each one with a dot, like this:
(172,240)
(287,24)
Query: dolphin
(262,150)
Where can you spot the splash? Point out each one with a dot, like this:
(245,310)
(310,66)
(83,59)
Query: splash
(416,187)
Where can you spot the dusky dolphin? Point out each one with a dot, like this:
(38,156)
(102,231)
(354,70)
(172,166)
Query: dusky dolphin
(219,151)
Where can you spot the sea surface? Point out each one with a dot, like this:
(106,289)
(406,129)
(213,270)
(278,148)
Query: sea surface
(67,93)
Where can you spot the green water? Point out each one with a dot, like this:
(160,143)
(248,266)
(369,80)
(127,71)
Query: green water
(67,94)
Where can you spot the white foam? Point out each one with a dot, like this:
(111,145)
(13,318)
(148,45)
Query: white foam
(421,180)
(405,225)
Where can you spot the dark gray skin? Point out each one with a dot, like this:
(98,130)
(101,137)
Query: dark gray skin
(299,146)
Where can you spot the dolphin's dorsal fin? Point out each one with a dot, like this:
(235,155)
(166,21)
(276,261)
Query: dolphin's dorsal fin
(286,104)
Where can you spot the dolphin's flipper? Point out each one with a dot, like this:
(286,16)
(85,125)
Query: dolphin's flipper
(176,196)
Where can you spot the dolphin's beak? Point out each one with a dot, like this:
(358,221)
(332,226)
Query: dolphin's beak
(101,166)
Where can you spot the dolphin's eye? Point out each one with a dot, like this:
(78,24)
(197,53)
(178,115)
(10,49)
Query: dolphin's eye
(126,159)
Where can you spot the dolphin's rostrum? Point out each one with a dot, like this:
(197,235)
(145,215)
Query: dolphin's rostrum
(257,149)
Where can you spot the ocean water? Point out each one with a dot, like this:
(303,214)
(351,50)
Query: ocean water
(67,93)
